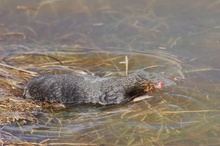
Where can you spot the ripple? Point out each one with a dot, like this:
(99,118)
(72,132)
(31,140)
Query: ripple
(105,62)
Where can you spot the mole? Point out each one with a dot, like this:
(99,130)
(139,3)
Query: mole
(78,88)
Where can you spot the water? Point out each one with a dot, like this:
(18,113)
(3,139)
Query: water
(179,39)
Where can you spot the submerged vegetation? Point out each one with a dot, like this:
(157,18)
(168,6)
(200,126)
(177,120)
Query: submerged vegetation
(160,118)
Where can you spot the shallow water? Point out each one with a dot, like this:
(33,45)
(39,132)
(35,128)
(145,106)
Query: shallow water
(178,39)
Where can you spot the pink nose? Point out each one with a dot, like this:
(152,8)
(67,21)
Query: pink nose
(159,85)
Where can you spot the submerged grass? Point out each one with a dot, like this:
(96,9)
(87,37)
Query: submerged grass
(155,126)
(8,106)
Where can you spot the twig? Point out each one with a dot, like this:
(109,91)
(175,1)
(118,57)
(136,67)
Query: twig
(126,65)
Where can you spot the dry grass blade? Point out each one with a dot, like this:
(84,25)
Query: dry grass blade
(75,144)
(202,69)
(195,111)
(14,34)
(126,65)
(19,69)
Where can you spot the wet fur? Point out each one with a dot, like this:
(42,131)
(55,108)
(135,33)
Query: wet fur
(75,88)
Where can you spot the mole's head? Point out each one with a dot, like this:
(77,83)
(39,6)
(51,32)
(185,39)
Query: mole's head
(156,78)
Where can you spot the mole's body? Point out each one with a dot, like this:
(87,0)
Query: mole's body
(72,88)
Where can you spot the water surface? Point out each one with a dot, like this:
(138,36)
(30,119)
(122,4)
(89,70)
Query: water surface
(178,39)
